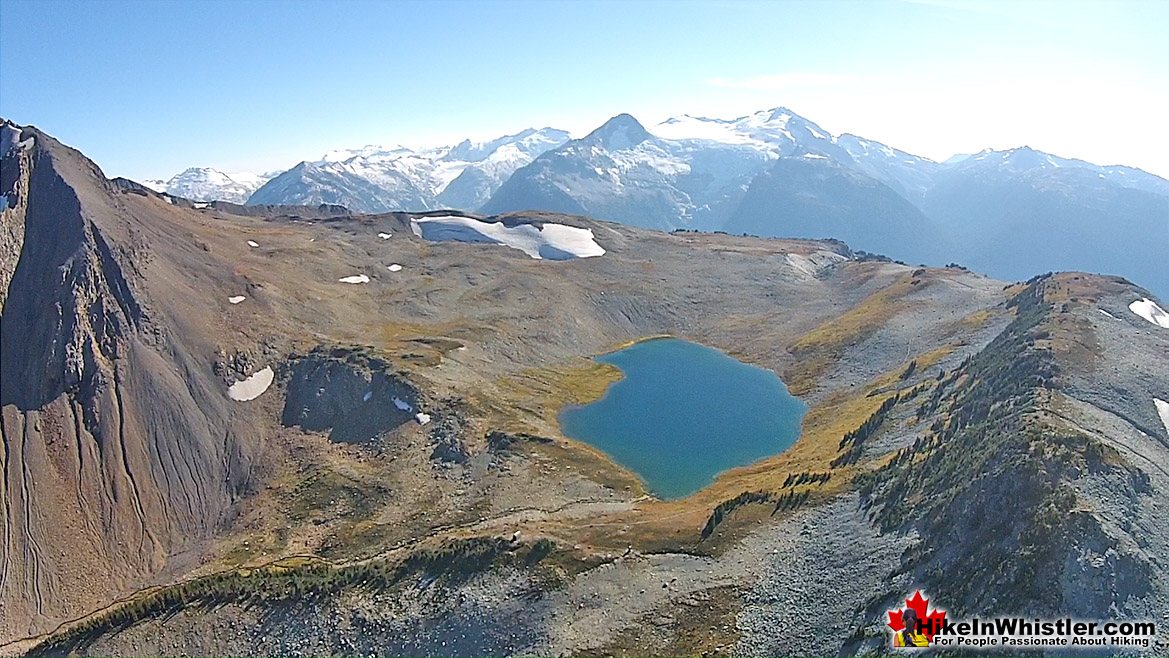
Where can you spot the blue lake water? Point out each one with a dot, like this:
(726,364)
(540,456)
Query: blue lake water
(684,413)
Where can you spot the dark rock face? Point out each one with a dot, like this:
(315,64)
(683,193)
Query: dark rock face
(620,132)
(448,433)
(358,399)
(354,397)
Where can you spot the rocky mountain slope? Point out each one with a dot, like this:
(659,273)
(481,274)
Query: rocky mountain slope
(252,455)
(118,443)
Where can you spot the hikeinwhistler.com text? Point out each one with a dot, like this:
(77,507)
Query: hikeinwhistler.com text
(1019,632)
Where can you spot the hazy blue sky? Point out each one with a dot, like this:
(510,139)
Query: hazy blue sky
(149,87)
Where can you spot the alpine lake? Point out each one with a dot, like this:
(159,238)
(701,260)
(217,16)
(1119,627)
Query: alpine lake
(685,412)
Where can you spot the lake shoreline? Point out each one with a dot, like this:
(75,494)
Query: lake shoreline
(684,413)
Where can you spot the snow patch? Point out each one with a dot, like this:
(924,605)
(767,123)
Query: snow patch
(199,205)
(384,236)
(402,404)
(236,299)
(1148,309)
(552,241)
(1162,411)
(367,396)
(167,199)
(252,387)
(422,418)
(395,268)
(356,278)
(253,243)
(1106,313)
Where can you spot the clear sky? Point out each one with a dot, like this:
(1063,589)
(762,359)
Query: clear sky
(149,87)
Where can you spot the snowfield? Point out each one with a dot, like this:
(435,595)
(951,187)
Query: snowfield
(1162,411)
(252,387)
(1148,309)
(552,242)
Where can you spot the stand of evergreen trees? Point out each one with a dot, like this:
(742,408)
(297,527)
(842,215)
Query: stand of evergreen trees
(269,585)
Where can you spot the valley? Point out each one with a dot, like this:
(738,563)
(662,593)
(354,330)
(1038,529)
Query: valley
(393,477)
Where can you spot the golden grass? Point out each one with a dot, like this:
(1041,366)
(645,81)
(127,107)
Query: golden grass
(819,348)
(975,320)
(871,313)
(893,377)
(532,401)
(575,456)
(545,391)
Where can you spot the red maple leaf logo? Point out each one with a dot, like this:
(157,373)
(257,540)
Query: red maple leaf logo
(919,605)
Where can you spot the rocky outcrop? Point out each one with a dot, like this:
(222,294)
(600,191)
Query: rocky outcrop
(357,398)
(13,188)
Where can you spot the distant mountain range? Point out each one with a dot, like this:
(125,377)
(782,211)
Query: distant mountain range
(1012,214)
(207,184)
(377,179)
(773,173)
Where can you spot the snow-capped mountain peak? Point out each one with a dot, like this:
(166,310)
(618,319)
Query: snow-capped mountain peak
(531,140)
(380,178)
(209,184)
(619,133)
(367,151)
(776,131)
(1027,161)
